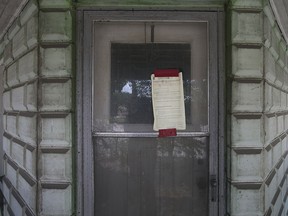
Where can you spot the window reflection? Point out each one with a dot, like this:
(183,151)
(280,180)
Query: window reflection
(127,88)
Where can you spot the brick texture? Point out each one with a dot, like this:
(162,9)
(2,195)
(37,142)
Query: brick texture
(37,101)
(55,106)
(258,144)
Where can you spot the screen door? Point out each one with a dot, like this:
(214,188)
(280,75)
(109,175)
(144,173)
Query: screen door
(135,173)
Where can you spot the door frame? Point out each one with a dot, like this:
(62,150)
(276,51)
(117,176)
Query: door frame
(84,87)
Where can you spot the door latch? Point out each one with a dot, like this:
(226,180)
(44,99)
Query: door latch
(213,184)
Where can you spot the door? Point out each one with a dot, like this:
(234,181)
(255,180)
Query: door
(135,173)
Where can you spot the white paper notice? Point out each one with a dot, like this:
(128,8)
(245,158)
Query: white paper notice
(168,102)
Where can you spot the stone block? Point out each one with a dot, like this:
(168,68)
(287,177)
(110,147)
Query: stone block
(30,162)
(284,145)
(268,97)
(28,192)
(17,153)
(282,53)
(286,121)
(31,97)
(276,95)
(270,190)
(284,189)
(2,46)
(275,42)
(247,97)
(268,161)
(55,4)
(270,128)
(6,191)
(56,131)
(6,145)
(56,96)
(5,79)
(55,26)
(27,128)
(249,201)
(5,122)
(247,27)
(285,86)
(7,101)
(30,10)
(8,58)
(11,174)
(269,66)
(246,4)
(277,153)
(56,167)
(280,172)
(15,206)
(247,62)
(12,75)
(283,100)
(17,97)
(56,62)
(280,122)
(246,167)
(277,206)
(286,73)
(14,29)
(247,131)
(32,31)
(19,43)
(270,15)
(27,69)
(267,32)
(56,201)
(279,75)
(12,124)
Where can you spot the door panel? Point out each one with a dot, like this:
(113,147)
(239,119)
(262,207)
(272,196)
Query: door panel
(151,176)
(136,173)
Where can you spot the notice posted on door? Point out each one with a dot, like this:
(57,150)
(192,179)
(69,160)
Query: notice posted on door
(168,102)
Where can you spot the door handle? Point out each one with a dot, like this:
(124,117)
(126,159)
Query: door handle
(213,184)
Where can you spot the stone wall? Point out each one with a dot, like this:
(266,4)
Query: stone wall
(258,80)
(37,99)
(20,79)
(275,116)
(55,107)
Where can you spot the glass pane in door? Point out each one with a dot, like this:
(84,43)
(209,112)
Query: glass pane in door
(141,176)
(151,177)
(123,66)
(131,68)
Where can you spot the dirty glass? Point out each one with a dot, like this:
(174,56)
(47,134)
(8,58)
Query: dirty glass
(130,85)
(151,177)
(132,65)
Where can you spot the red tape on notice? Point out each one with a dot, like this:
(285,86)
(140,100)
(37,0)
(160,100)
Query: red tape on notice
(166,73)
(167,132)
